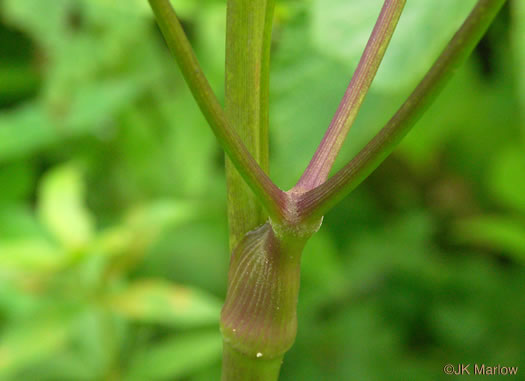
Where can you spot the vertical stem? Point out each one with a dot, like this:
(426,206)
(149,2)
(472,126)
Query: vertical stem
(238,367)
(248,45)
(264,143)
(248,35)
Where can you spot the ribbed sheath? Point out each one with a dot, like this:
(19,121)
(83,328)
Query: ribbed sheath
(259,315)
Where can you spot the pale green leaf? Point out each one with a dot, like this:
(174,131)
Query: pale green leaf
(157,301)
(26,343)
(507,178)
(30,254)
(183,7)
(142,226)
(161,213)
(61,207)
(519,49)
(505,234)
(341,29)
(176,357)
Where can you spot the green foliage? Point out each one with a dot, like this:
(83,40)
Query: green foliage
(340,29)
(113,239)
(175,358)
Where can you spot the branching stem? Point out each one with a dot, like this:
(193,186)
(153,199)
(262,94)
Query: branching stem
(318,201)
(272,198)
(321,164)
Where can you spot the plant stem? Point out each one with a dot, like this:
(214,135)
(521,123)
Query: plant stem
(239,367)
(248,39)
(272,198)
(248,43)
(321,164)
(259,317)
(318,201)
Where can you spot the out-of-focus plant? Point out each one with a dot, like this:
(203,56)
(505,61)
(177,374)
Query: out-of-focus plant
(270,227)
(71,276)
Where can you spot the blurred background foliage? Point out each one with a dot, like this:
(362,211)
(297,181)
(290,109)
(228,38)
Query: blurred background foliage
(113,238)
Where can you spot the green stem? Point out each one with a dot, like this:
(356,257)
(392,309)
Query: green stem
(248,43)
(318,201)
(266,191)
(259,317)
(248,39)
(239,367)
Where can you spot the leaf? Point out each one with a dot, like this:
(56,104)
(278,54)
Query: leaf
(341,29)
(518,31)
(143,225)
(30,254)
(25,130)
(183,7)
(320,264)
(504,234)
(26,343)
(88,79)
(507,178)
(60,366)
(156,301)
(18,222)
(16,181)
(61,207)
(176,357)
(156,215)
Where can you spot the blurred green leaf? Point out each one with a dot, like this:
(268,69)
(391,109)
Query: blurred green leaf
(321,265)
(62,209)
(25,130)
(507,178)
(142,226)
(59,366)
(86,82)
(196,142)
(30,255)
(505,234)
(18,222)
(193,254)
(16,79)
(176,357)
(28,342)
(16,181)
(341,29)
(156,215)
(158,301)
(183,7)
(518,18)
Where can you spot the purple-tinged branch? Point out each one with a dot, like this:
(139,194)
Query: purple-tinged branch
(321,164)
(318,201)
(267,192)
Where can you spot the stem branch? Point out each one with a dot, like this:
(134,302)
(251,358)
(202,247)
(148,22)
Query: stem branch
(318,201)
(266,191)
(321,164)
